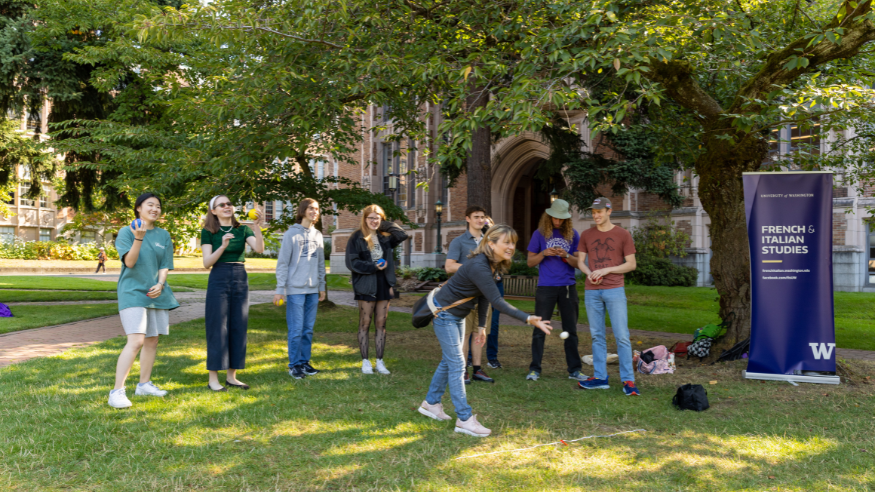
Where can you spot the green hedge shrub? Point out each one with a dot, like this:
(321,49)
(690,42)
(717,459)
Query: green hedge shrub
(53,250)
(661,271)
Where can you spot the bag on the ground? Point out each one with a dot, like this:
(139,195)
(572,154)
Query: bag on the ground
(610,359)
(737,351)
(700,348)
(424,310)
(5,312)
(691,397)
(709,331)
(659,363)
(680,348)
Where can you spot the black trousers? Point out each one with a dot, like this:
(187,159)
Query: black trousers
(546,298)
(227,315)
(99,266)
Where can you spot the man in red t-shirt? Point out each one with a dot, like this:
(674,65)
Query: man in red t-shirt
(606,252)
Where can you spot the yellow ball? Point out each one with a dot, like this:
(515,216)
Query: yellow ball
(280,302)
(253,214)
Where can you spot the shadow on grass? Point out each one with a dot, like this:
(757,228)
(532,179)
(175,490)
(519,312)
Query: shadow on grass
(342,430)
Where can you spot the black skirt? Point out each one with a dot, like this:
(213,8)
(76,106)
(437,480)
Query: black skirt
(382,290)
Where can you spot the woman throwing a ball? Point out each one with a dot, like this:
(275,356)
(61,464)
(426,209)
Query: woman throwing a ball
(474,283)
(369,257)
(223,242)
(144,298)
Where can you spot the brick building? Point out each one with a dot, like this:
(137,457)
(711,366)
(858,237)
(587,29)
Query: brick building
(518,199)
(40,219)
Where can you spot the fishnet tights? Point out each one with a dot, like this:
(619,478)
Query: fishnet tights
(366,311)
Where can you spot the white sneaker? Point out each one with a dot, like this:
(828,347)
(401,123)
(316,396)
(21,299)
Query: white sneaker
(472,427)
(118,399)
(435,411)
(381,367)
(149,389)
(366,367)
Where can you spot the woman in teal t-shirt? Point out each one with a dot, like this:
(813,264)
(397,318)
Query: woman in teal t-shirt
(144,299)
(223,241)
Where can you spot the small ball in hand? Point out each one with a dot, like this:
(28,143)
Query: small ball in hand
(253,214)
(563,335)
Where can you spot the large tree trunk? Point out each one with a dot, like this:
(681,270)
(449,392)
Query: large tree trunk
(722,195)
(479,161)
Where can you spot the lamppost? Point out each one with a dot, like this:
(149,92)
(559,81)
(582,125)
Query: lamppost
(393,185)
(439,210)
(553,195)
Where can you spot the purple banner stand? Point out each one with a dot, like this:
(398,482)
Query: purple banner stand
(789,228)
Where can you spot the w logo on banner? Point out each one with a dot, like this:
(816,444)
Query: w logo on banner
(822,350)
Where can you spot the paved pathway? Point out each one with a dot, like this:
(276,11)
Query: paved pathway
(53,340)
(20,346)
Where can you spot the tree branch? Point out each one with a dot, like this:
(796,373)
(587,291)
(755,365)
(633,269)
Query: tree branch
(773,72)
(677,78)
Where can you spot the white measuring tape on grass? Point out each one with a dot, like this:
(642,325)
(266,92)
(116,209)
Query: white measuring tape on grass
(561,441)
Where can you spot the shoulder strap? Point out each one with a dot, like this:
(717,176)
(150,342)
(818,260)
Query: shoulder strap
(435,310)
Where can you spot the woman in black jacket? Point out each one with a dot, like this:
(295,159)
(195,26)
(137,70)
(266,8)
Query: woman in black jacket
(369,257)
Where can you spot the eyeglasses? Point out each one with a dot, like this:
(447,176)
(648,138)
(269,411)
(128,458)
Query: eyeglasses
(375,218)
(223,205)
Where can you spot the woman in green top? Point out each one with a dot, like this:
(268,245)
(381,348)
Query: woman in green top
(144,299)
(223,241)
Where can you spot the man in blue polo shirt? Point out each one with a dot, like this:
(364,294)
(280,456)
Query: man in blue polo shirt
(458,253)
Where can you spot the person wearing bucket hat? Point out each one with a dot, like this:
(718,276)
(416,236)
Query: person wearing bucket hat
(553,249)
(606,253)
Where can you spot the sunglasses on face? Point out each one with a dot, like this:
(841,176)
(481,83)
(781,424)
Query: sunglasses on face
(223,204)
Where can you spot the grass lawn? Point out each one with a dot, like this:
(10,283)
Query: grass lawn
(27,317)
(683,309)
(342,430)
(55,283)
(7,296)
(179,262)
(25,282)
(257,281)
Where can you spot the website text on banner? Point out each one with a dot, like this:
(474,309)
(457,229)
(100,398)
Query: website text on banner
(789,226)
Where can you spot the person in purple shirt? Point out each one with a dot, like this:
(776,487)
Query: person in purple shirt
(552,249)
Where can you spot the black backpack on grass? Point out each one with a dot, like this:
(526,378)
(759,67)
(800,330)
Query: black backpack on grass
(691,397)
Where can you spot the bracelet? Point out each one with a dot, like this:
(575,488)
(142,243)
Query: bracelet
(135,239)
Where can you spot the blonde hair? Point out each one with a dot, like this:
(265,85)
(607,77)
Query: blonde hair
(545,226)
(493,235)
(366,231)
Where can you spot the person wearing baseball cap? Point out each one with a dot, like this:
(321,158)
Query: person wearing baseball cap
(606,253)
(553,249)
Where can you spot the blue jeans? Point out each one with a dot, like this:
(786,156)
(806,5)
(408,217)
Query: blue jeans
(614,302)
(300,318)
(449,330)
(492,339)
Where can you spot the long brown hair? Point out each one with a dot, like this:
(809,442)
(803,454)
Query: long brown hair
(545,226)
(493,235)
(211,221)
(363,227)
(302,209)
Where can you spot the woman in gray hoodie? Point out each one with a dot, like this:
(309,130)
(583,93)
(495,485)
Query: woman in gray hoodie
(300,278)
